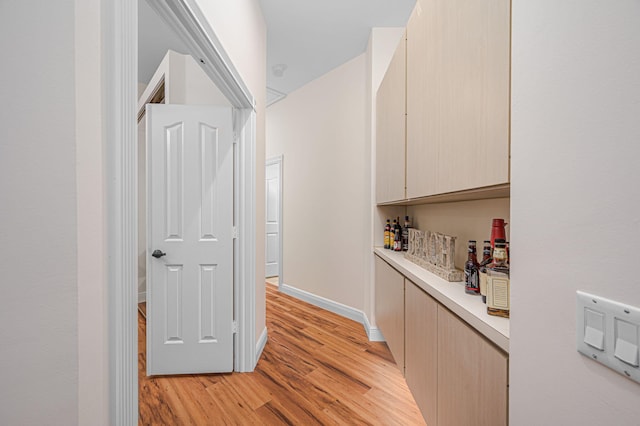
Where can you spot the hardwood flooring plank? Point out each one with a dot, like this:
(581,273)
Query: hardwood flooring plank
(339,412)
(272,415)
(233,408)
(250,388)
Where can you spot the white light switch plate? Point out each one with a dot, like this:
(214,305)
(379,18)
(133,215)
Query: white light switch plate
(614,341)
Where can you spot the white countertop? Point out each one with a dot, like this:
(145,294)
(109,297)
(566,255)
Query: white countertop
(452,295)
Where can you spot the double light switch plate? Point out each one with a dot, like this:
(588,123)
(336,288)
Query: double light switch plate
(609,332)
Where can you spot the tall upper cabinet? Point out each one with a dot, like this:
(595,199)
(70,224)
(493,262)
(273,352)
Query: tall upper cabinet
(390,129)
(457,97)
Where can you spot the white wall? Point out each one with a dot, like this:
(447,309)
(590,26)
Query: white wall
(575,202)
(54,354)
(38,219)
(380,49)
(91,207)
(320,131)
(241,29)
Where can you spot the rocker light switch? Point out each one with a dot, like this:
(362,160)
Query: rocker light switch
(594,328)
(608,332)
(626,342)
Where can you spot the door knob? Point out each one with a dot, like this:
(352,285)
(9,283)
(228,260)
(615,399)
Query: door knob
(158,254)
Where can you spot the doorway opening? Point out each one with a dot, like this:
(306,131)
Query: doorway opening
(274,216)
(120,29)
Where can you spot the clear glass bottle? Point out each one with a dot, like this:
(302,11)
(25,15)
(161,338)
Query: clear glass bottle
(405,234)
(472,282)
(498,285)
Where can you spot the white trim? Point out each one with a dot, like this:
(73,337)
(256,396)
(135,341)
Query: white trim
(120,62)
(120,25)
(188,21)
(279,160)
(357,315)
(374,333)
(321,302)
(261,343)
(245,247)
(274,96)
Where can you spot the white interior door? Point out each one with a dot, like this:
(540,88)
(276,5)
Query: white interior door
(190,229)
(272,256)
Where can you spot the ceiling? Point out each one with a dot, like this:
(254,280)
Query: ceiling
(154,39)
(305,39)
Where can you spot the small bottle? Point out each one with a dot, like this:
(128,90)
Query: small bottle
(472,283)
(397,236)
(486,260)
(387,234)
(498,286)
(405,234)
(392,233)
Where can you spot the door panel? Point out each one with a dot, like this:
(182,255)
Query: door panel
(272,256)
(190,220)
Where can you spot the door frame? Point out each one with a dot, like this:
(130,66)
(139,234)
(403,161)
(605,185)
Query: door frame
(120,65)
(279,160)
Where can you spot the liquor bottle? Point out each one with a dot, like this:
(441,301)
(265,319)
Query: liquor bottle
(392,234)
(405,234)
(387,234)
(498,286)
(472,283)
(486,260)
(397,236)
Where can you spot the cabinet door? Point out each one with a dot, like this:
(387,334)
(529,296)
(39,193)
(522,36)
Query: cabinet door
(390,308)
(472,376)
(458,95)
(421,349)
(391,130)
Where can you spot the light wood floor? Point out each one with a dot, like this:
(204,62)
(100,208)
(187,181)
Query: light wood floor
(273,280)
(317,368)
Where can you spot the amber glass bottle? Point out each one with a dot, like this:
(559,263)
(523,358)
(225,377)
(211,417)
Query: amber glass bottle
(472,283)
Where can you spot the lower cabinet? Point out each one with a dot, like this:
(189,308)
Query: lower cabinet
(472,376)
(390,308)
(421,355)
(456,376)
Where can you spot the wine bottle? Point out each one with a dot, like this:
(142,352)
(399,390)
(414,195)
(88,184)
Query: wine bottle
(472,284)
(397,236)
(486,260)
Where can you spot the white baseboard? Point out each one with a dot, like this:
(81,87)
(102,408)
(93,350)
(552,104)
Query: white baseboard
(142,296)
(374,333)
(357,315)
(260,344)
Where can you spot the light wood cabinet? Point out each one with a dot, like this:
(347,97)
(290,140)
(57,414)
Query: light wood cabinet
(472,376)
(458,96)
(390,308)
(391,130)
(421,349)
(456,375)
